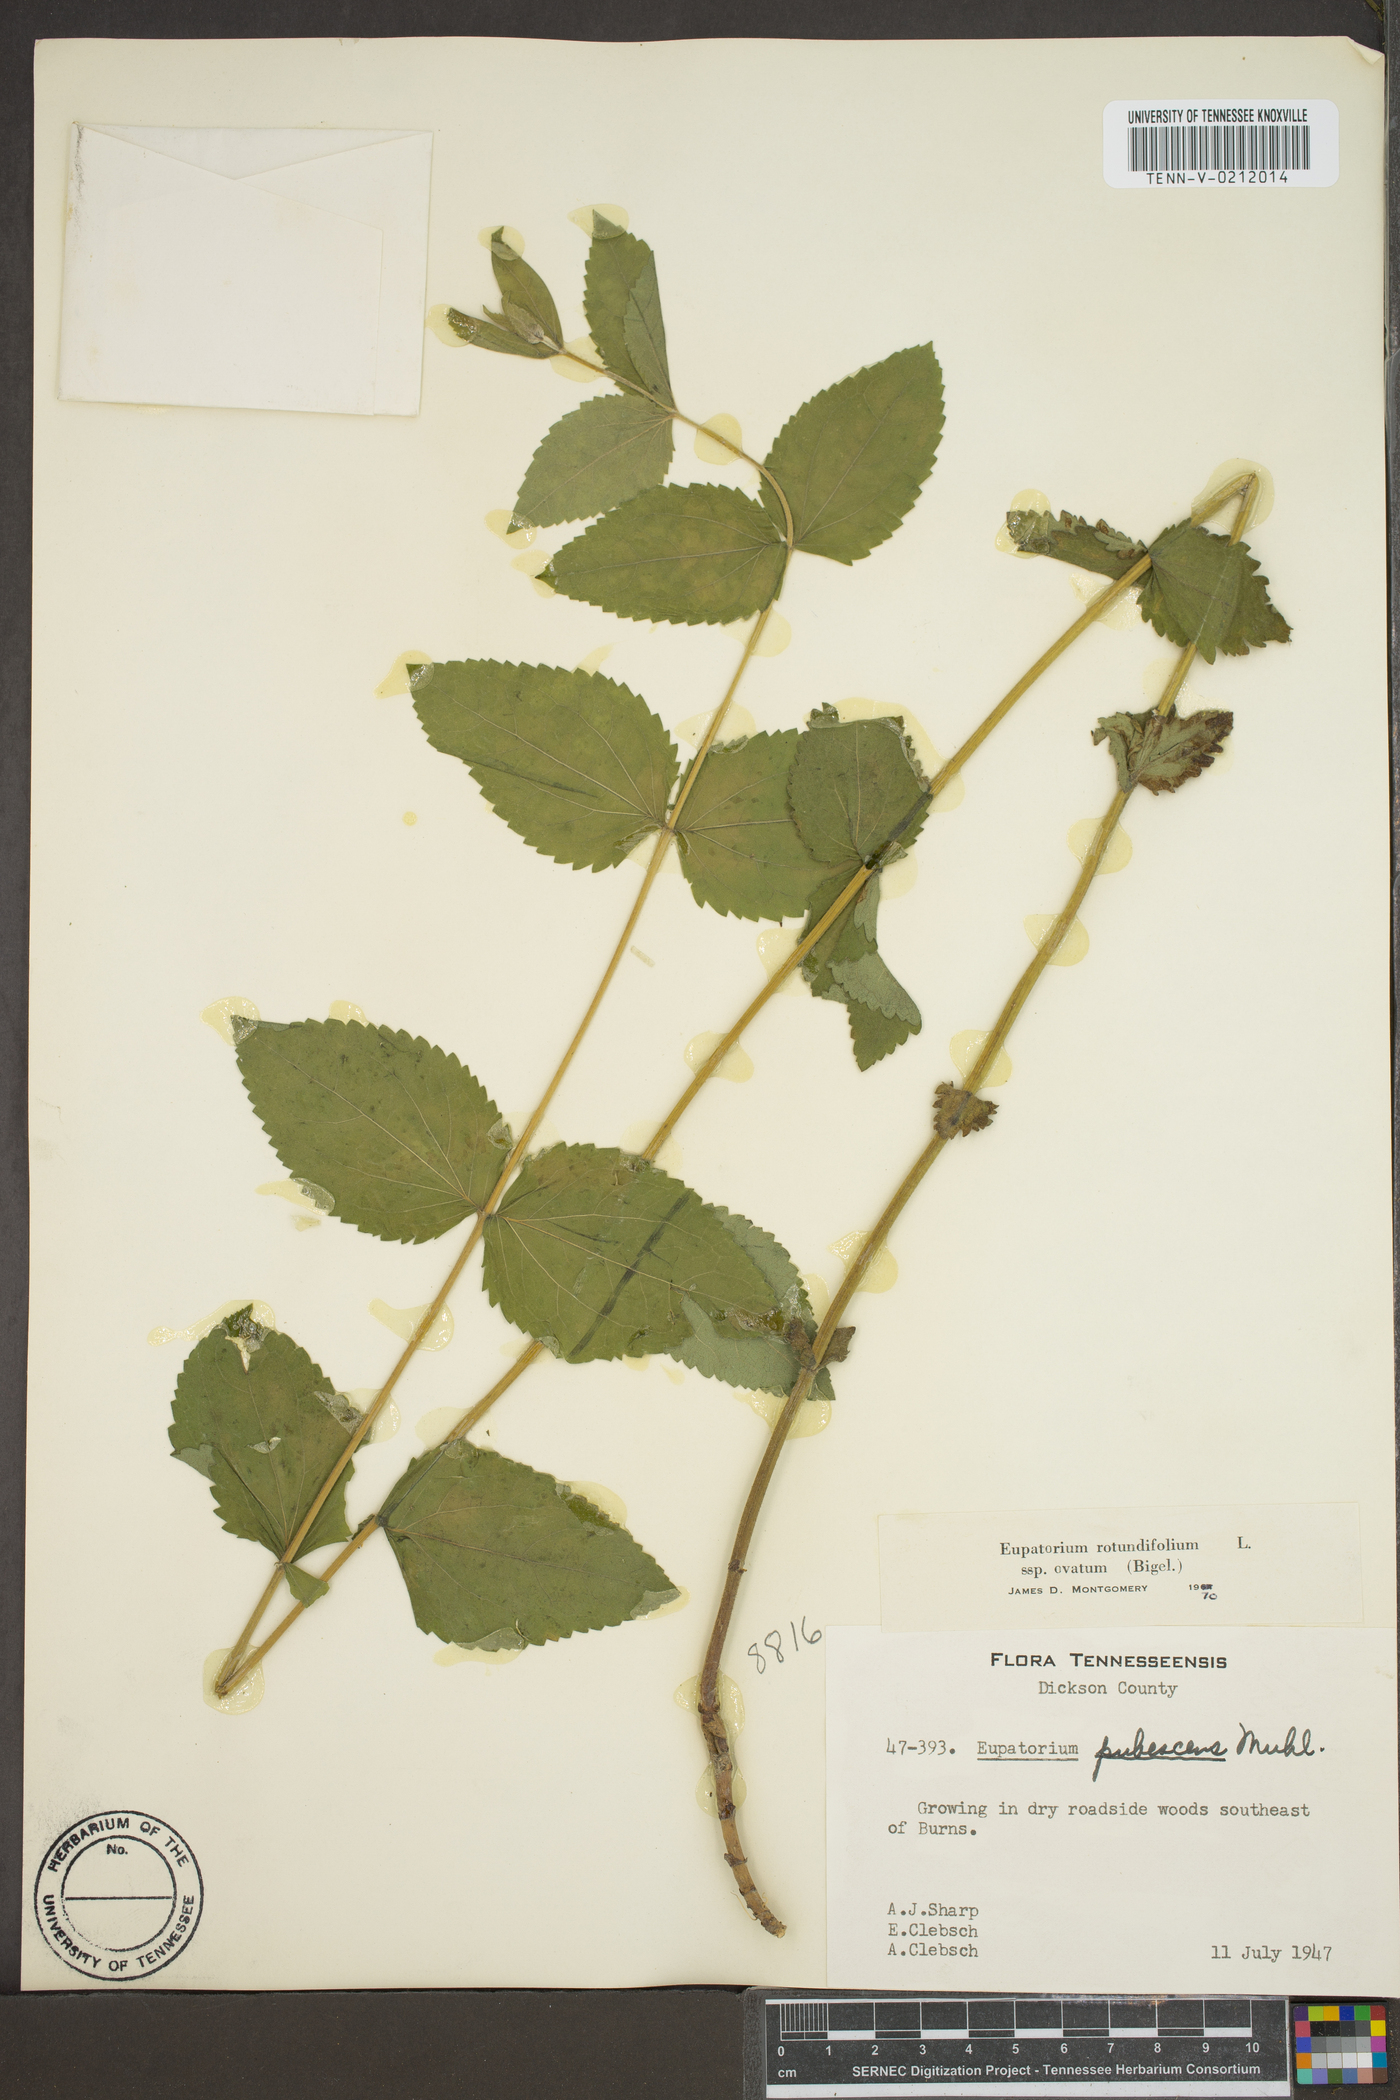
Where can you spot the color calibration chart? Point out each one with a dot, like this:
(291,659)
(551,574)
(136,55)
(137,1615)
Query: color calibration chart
(1340,2044)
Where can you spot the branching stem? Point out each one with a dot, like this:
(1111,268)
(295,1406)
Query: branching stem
(632,386)
(235,1669)
(665,837)
(234,1672)
(712,1725)
(945,773)
(250,1663)
(239,1663)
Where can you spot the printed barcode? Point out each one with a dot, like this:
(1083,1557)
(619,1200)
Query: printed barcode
(1172,148)
(1203,142)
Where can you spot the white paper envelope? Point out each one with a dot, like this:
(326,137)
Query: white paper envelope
(246,269)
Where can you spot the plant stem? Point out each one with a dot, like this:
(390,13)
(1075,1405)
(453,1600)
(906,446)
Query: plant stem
(707,1070)
(632,386)
(1043,663)
(708,1704)
(1246,487)
(712,1725)
(235,1668)
(664,840)
(224,1682)
(945,773)
(233,1671)
(250,1663)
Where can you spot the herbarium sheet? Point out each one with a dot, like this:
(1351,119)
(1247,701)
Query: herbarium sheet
(711,1263)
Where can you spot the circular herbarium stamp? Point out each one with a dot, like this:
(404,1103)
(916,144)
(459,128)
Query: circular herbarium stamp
(118,1896)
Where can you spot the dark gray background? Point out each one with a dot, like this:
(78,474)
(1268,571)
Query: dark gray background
(428,2045)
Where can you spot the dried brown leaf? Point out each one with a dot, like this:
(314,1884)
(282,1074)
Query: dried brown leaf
(1159,752)
(957,1112)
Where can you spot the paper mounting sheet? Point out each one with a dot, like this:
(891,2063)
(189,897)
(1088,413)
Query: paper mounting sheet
(1158,1283)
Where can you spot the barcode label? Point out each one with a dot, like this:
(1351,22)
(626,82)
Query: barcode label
(1204,144)
(1155,149)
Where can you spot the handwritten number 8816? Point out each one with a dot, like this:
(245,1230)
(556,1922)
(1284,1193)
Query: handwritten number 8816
(773,1641)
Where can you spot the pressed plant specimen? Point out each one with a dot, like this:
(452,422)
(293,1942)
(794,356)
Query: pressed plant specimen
(594,1252)
(1204,593)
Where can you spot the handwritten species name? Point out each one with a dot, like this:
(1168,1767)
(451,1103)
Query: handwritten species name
(1191,1752)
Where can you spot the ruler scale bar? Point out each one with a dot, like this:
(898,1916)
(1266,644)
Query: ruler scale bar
(844,2043)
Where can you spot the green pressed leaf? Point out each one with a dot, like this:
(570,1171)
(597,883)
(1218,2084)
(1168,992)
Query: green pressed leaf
(852,460)
(1159,752)
(594,458)
(867,978)
(1202,589)
(758,1359)
(875,1034)
(493,335)
(304,1586)
(854,787)
(858,795)
(252,1414)
(496,1555)
(595,1252)
(1068,538)
(846,965)
(1199,589)
(396,1130)
(700,554)
(761,1362)
(740,850)
(576,764)
(525,297)
(644,333)
(771,1259)
(620,278)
